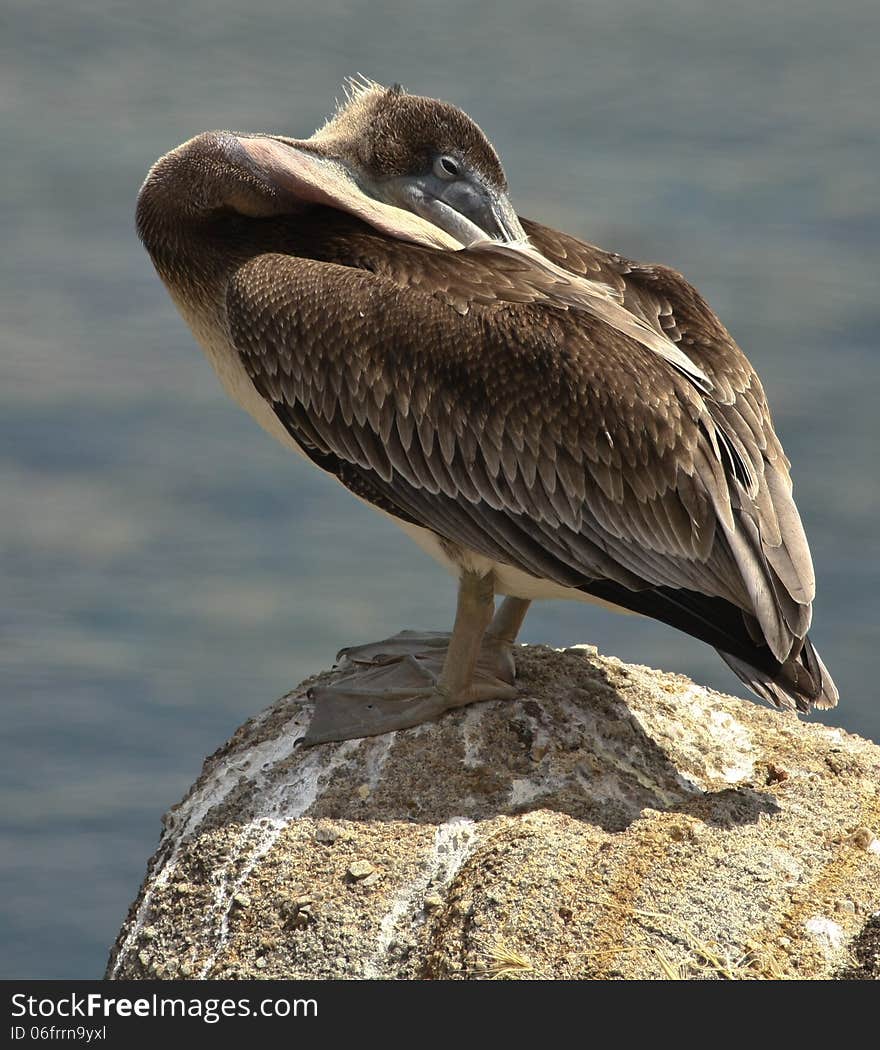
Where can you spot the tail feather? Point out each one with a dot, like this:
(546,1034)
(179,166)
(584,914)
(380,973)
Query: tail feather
(800,683)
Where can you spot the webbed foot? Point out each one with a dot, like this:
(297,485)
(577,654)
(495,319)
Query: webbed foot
(397,685)
(415,676)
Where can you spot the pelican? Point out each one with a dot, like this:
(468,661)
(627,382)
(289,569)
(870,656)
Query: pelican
(545,418)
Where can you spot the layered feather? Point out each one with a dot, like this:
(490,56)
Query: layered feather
(468,393)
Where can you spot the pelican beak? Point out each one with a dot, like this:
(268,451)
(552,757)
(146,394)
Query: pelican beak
(467,209)
(493,214)
(508,223)
(297,168)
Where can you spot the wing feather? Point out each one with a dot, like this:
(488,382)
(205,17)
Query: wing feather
(533,432)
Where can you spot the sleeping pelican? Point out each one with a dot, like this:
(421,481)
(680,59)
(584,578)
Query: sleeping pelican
(545,418)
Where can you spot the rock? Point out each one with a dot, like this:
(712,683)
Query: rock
(326,833)
(612,822)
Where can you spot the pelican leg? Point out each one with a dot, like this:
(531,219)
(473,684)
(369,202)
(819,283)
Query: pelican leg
(429,647)
(415,683)
(501,634)
(508,620)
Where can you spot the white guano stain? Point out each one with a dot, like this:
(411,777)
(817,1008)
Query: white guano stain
(454,841)
(827,932)
(378,750)
(615,758)
(281,802)
(524,791)
(211,793)
(472,736)
(734,760)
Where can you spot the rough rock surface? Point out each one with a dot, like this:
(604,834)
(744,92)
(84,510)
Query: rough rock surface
(613,822)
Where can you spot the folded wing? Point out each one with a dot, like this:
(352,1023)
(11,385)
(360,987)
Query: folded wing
(464,392)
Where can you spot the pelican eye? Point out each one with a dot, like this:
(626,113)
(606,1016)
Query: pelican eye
(446,167)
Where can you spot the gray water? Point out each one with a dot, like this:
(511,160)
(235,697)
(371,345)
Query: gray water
(168,570)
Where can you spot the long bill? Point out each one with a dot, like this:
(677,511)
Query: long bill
(314,179)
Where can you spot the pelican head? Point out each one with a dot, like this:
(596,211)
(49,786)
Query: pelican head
(393,159)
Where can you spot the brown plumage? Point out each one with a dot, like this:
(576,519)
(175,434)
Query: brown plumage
(551,413)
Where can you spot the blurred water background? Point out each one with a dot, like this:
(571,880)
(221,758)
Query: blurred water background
(168,569)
